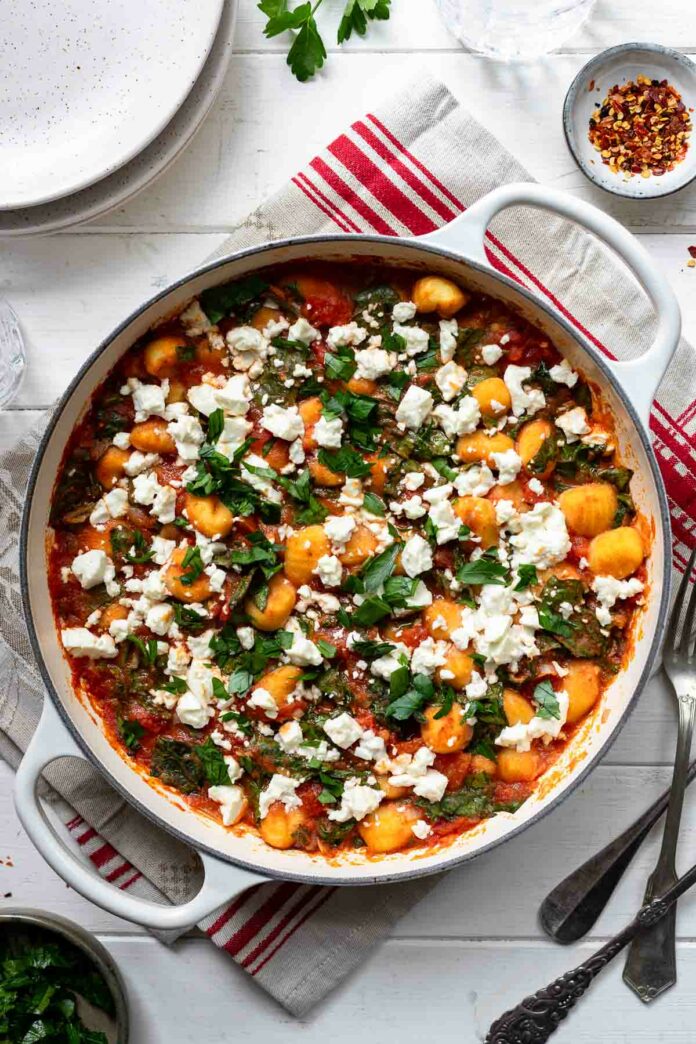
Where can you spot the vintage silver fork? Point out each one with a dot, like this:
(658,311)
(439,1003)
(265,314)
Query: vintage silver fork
(651,965)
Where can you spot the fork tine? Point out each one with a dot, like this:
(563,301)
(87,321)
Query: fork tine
(671,633)
(687,631)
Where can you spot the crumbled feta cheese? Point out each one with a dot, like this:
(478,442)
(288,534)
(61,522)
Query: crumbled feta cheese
(416,339)
(523,400)
(339,529)
(81,642)
(263,700)
(490,353)
(283,422)
(543,538)
(357,801)
(508,464)
(280,788)
(417,556)
(461,421)
(343,730)
(343,336)
(149,399)
(258,482)
(475,481)
(413,480)
(249,348)
(428,656)
(608,591)
(328,432)
(421,829)
(403,311)
(188,436)
(232,802)
(415,406)
(303,652)
(450,379)
(194,320)
(573,424)
(447,524)
(113,504)
(235,395)
(203,398)
(139,462)
(373,363)
(159,618)
(121,440)
(414,771)
(192,709)
(370,747)
(93,568)
(351,493)
(536,486)
(448,339)
(329,570)
(303,331)
(563,373)
(247,637)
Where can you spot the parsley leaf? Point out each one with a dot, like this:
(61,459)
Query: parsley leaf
(485,570)
(300,489)
(219,301)
(213,762)
(527,576)
(193,564)
(345,461)
(546,701)
(341,366)
(374,504)
(147,650)
(412,701)
(370,649)
(356,14)
(261,552)
(216,424)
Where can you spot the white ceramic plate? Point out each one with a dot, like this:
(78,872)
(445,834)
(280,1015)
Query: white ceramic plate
(118,188)
(591,85)
(86,86)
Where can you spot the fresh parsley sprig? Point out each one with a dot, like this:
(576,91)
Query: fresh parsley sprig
(308,53)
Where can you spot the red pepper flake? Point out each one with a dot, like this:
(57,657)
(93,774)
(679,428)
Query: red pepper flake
(641,127)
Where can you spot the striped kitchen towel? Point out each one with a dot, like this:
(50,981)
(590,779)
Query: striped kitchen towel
(403,169)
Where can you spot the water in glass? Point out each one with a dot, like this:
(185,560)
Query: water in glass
(514,29)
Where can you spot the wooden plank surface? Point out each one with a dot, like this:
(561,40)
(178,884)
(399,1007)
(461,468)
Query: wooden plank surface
(473,947)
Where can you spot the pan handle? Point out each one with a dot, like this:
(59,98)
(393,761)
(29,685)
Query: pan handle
(222,880)
(640,377)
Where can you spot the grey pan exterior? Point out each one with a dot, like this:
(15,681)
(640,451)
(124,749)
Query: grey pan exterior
(381,243)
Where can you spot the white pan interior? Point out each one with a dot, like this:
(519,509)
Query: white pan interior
(169,809)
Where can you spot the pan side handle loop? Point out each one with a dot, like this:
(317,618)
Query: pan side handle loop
(222,881)
(639,377)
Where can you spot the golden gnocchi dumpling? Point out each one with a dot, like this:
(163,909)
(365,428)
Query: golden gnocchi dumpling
(280,603)
(323,476)
(530,440)
(448,734)
(180,579)
(435,294)
(442,617)
(303,550)
(456,670)
(589,509)
(479,446)
(162,356)
(209,515)
(516,708)
(388,828)
(479,515)
(111,466)
(617,552)
(515,766)
(151,436)
(281,683)
(310,411)
(361,546)
(281,827)
(493,397)
(582,685)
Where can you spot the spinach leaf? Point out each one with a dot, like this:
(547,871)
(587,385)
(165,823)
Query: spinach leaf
(219,301)
(546,701)
(345,461)
(413,700)
(131,732)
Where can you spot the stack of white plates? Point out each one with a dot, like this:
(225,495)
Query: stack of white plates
(98,98)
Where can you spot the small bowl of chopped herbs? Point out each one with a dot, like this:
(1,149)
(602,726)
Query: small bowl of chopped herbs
(628,119)
(57,983)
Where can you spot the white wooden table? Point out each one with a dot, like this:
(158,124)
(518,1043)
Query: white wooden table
(473,948)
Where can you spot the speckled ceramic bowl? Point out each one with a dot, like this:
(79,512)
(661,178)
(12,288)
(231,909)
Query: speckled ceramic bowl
(20,919)
(589,88)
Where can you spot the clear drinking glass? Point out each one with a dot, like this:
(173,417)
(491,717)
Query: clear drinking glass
(12,356)
(514,29)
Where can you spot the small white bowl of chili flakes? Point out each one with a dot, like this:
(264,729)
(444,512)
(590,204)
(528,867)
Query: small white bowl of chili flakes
(628,119)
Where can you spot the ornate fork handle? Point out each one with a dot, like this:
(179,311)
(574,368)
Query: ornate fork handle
(537,1017)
